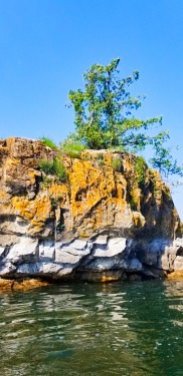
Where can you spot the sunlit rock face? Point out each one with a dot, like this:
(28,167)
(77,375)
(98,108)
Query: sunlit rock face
(108,220)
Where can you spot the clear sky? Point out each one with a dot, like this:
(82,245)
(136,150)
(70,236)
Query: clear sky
(46,45)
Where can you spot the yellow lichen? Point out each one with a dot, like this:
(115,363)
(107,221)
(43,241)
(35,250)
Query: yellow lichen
(24,285)
(175,276)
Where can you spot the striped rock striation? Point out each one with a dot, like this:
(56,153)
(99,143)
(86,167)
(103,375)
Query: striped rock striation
(112,217)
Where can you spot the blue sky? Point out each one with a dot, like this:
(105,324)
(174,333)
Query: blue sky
(46,45)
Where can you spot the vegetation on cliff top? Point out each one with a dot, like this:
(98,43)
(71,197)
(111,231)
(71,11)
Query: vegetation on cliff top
(104,119)
(54,167)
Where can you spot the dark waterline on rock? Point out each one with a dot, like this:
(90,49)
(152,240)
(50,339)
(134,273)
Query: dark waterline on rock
(93,329)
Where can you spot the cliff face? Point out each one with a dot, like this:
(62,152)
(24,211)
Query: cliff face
(112,217)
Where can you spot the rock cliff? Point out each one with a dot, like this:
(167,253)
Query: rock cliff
(110,217)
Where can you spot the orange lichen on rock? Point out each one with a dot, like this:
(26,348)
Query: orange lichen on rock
(175,276)
(9,285)
(58,192)
(42,212)
(104,277)
(95,197)
(36,211)
(138,219)
(92,187)
(20,206)
(4,197)
(32,175)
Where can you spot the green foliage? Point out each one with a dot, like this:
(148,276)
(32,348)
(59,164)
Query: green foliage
(48,142)
(163,160)
(72,149)
(100,160)
(104,109)
(104,116)
(55,168)
(60,227)
(132,202)
(117,164)
(140,169)
(47,181)
(46,166)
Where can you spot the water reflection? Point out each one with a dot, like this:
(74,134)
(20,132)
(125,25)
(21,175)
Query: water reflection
(84,329)
(174,295)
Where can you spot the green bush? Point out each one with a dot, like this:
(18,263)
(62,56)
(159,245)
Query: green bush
(133,203)
(117,164)
(100,160)
(47,181)
(73,150)
(54,167)
(140,169)
(48,142)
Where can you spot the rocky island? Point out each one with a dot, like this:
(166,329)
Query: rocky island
(109,217)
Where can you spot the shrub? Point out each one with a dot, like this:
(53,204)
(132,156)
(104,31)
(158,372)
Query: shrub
(100,159)
(47,181)
(117,164)
(54,167)
(59,169)
(105,119)
(73,150)
(140,169)
(46,166)
(133,202)
(48,142)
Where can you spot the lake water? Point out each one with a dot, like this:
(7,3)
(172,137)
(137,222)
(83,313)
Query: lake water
(126,328)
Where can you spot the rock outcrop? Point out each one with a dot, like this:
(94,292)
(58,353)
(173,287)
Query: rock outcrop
(111,218)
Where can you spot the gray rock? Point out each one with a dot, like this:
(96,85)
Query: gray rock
(108,252)
(31,194)
(27,269)
(169,253)
(63,272)
(149,258)
(25,250)
(7,240)
(58,245)
(38,269)
(158,245)
(79,244)
(166,260)
(151,253)
(7,269)
(1,251)
(59,259)
(102,264)
(178,242)
(76,252)
(46,251)
(101,240)
(153,272)
(76,248)
(49,268)
(66,258)
(178,263)
(117,244)
(16,226)
(133,265)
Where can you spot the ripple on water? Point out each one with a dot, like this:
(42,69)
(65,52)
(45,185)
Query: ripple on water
(82,329)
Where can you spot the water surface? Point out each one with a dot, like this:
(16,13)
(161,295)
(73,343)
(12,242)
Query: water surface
(133,329)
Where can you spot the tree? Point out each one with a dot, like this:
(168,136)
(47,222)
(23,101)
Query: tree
(163,160)
(104,116)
